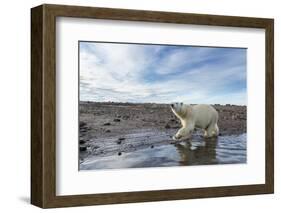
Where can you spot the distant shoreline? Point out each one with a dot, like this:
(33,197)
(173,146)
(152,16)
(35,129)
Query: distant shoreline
(149,103)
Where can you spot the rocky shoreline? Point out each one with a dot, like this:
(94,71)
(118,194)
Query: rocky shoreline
(108,128)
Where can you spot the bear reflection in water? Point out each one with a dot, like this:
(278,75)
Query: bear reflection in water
(197,152)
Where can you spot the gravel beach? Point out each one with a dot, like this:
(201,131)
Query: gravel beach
(109,129)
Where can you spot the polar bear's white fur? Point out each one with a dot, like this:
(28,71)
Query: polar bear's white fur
(201,116)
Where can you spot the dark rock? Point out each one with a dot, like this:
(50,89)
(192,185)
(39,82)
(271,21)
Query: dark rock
(119,142)
(108,130)
(167,126)
(107,124)
(81,141)
(121,139)
(152,147)
(126,117)
(82,124)
(116,120)
(83,148)
(119,153)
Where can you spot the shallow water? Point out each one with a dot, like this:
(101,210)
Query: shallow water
(198,151)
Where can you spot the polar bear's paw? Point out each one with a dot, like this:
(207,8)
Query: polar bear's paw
(178,137)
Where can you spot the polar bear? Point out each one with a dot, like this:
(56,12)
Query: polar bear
(201,116)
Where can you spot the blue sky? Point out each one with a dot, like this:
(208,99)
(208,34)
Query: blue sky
(162,73)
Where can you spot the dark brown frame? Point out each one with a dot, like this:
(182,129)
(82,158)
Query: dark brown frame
(43,105)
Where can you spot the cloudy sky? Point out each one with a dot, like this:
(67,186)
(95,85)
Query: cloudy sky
(162,74)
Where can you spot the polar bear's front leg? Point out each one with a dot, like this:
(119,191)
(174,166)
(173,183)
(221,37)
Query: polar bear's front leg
(183,133)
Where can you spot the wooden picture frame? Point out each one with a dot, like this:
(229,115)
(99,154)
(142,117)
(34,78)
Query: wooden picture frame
(43,105)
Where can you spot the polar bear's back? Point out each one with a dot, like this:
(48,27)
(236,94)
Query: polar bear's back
(205,115)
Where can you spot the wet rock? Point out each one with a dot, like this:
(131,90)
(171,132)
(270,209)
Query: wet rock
(126,117)
(116,120)
(83,148)
(82,124)
(81,141)
(107,124)
(121,139)
(108,130)
(167,126)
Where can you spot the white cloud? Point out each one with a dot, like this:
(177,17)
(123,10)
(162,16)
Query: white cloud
(139,73)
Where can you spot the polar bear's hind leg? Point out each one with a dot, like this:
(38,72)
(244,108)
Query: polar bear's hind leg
(212,131)
(217,130)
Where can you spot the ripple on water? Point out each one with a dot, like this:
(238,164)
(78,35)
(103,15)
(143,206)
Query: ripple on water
(224,150)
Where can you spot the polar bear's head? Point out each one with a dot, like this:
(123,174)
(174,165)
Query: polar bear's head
(179,109)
